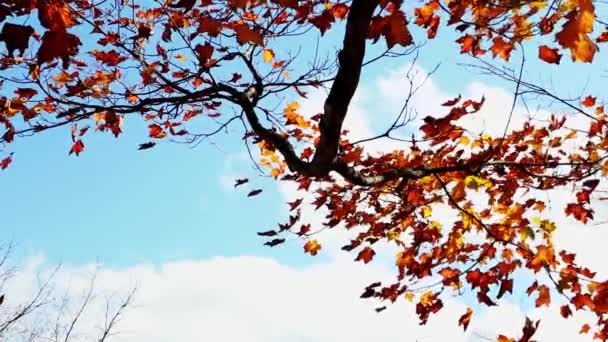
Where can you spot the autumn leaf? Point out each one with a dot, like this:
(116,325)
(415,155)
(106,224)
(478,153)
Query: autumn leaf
(16,37)
(501,48)
(55,15)
(4,163)
(240,182)
(146,146)
(544,297)
(312,247)
(77,147)
(366,255)
(245,34)
(465,319)
(589,101)
(26,93)
(254,192)
(58,44)
(157,132)
(549,55)
(339,11)
(274,242)
(268,55)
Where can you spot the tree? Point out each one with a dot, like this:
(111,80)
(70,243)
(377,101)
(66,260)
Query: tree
(224,62)
(48,315)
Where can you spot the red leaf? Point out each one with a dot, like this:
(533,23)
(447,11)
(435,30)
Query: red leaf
(16,37)
(366,255)
(565,311)
(58,44)
(452,102)
(544,297)
(244,35)
(155,131)
(549,55)
(4,163)
(26,93)
(77,148)
(589,101)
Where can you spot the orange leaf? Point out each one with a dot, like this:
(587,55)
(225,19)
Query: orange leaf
(312,247)
(584,329)
(501,48)
(339,11)
(549,55)
(544,297)
(589,101)
(465,319)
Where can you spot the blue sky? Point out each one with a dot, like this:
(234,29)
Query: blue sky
(125,207)
(121,205)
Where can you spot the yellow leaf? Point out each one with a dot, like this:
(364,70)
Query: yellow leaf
(181,58)
(409,296)
(268,55)
(427,211)
(464,141)
(474,182)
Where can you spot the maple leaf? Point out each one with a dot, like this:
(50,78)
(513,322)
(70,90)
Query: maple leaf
(544,297)
(574,36)
(339,11)
(204,54)
(16,37)
(589,101)
(267,233)
(501,48)
(240,182)
(146,146)
(111,58)
(549,55)
(157,132)
(55,15)
(274,242)
(366,255)
(312,247)
(465,319)
(244,35)
(77,147)
(396,31)
(58,44)
(254,192)
(268,55)
(26,93)
(565,311)
(4,163)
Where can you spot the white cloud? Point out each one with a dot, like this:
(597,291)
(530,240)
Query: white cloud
(259,299)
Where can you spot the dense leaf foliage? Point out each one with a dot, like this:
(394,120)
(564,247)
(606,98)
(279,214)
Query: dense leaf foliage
(189,65)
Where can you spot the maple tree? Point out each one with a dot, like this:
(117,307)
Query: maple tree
(179,65)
